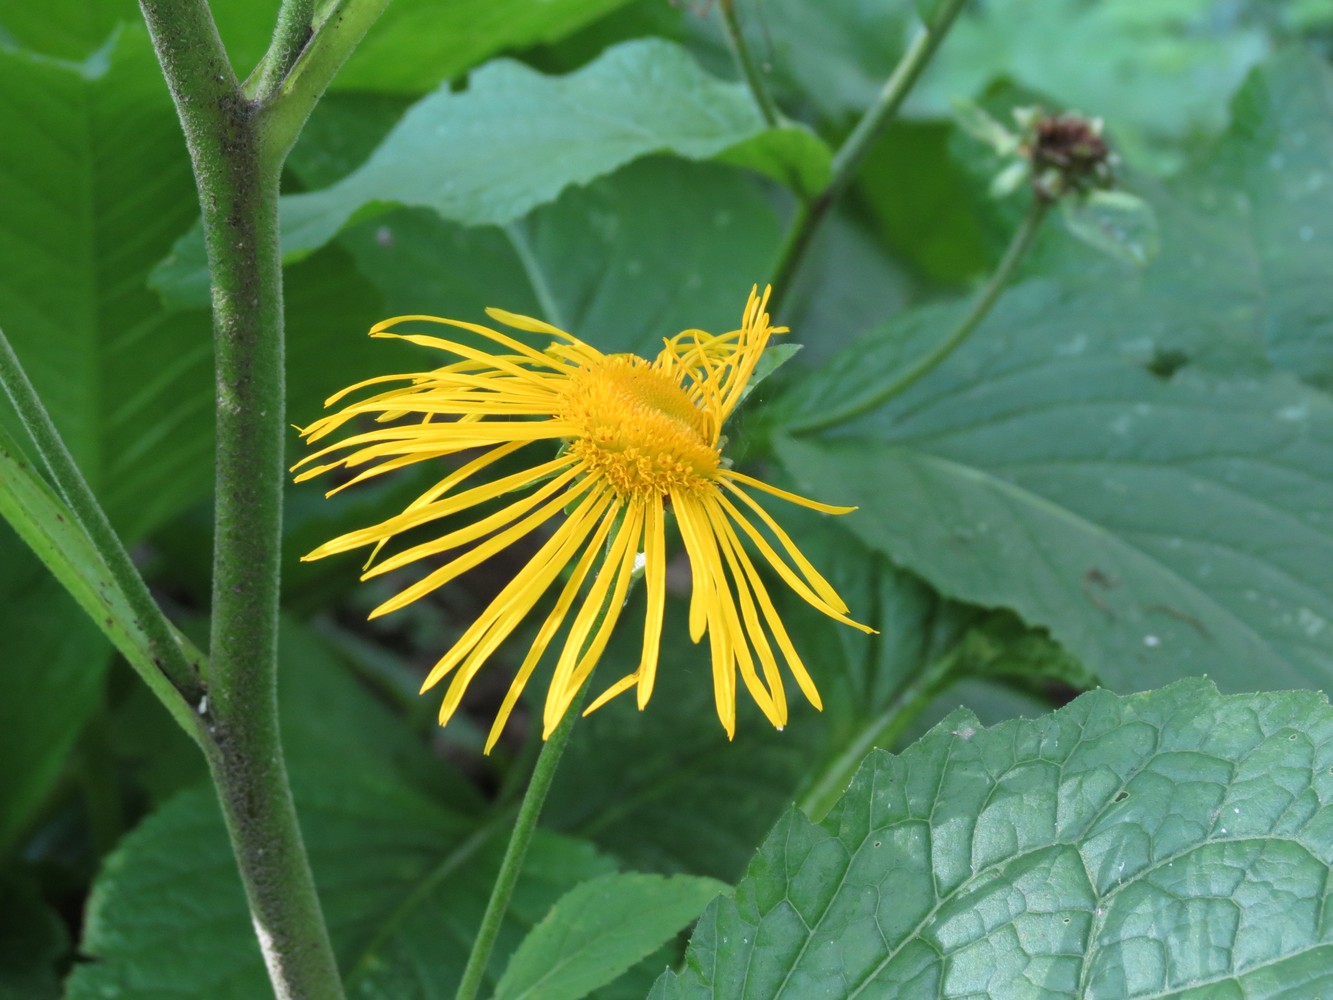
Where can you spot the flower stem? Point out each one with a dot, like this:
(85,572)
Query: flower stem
(745,59)
(981,306)
(882,731)
(163,646)
(857,145)
(238,189)
(525,824)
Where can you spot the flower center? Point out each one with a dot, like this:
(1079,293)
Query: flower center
(638,429)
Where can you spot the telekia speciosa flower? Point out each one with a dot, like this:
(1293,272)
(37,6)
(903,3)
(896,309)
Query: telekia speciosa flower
(620,446)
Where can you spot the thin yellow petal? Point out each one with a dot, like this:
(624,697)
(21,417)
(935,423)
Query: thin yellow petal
(783,494)
(654,578)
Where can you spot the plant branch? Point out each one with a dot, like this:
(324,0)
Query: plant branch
(745,59)
(238,195)
(290,34)
(529,811)
(981,307)
(338,32)
(857,145)
(163,645)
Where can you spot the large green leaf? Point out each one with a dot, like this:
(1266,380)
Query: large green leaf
(94,186)
(447,155)
(1247,237)
(403,860)
(598,930)
(168,916)
(1159,73)
(51,673)
(658,247)
(1157,528)
(418,44)
(1175,843)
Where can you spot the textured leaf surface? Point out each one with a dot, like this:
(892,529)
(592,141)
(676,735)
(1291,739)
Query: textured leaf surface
(447,154)
(1158,529)
(94,186)
(404,865)
(1179,517)
(1176,843)
(598,930)
(1247,241)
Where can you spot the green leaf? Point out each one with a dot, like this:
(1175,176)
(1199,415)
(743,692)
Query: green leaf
(1247,239)
(66,29)
(598,930)
(54,535)
(403,861)
(1171,843)
(1115,223)
(417,44)
(658,247)
(445,154)
(373,846)
(94,186)
(51,679)
(1159,74)
(1158,529)
(32,942)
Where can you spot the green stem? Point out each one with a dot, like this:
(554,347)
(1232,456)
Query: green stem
(337,33)
(512,866)
(165,649)
(238,195)
(290,34)
(857,145)
(882,731)
(981,306)
(745,60)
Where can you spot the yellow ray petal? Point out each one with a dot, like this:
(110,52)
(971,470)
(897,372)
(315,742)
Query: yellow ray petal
(790,497)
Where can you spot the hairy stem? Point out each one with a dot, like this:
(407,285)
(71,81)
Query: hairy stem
(290,35)
(853,151)
(238,195)
(163,646)
(745,60)
(981,307)
(337,33)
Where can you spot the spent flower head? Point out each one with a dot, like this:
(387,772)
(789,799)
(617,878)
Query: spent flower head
(1065,159)
(640,442)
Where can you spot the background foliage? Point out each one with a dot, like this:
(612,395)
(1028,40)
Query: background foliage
(1125,478)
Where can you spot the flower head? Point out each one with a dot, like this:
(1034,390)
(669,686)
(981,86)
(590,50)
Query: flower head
(639,438)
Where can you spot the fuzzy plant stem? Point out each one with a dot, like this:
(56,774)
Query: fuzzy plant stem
(238,195)
(980,308)
(847,161)
(745,60)
(525,824)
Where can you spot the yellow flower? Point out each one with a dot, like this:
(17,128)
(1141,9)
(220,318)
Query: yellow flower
(638,437)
